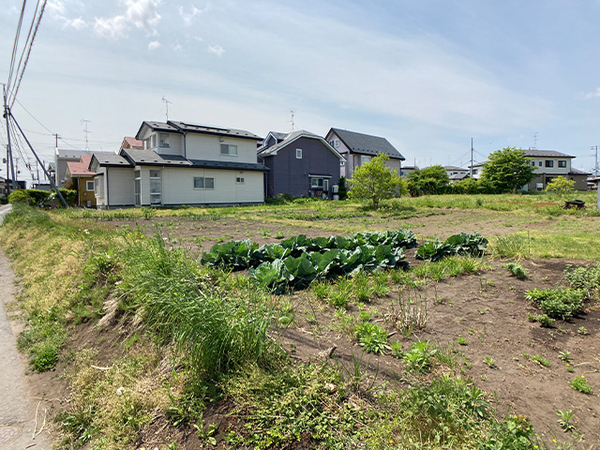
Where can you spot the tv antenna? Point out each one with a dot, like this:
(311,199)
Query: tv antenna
(166,102)
(85,122)
(535,139)
(292,120)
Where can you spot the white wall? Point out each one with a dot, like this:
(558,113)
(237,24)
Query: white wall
(203,146)
(178,186)
(119,182)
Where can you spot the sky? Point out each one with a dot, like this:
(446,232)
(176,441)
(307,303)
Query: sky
(428,75)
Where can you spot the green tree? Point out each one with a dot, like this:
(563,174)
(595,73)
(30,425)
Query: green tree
(342,188)
(507,170)
(561,186)
(375,182)
(429,181)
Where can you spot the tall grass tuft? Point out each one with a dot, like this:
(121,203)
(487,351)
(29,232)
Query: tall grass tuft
(183,307)
(511,246)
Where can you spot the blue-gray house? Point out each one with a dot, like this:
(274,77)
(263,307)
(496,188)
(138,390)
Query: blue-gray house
(301,164)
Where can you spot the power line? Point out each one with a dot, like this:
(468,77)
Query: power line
(15,45)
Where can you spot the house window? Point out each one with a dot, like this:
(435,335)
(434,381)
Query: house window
(364,159)
(533,163)
(204,183)
(336,143)
(319,183)
(549,163)
(89,185)
(227,149)
(239,180)
(155,187)
(298,153)
(163,140)
(540,164)
(153,141)
(562,163)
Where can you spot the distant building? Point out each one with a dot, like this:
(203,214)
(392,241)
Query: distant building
(406,170)
(359,148)
(550,164)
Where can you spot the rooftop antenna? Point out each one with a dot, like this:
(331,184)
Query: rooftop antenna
(535,139)
(166,102)
(292,121)
(84,122)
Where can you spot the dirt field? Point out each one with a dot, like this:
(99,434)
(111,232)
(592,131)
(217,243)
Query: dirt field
(487,309)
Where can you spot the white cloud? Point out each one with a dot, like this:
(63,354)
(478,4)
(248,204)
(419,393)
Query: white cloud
(140,14)
(153,45)
(188,17)
(177,47)
(78,23)
(216,50)
(594,94)
(56,7)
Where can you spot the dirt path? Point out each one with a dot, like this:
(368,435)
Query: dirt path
(19,427)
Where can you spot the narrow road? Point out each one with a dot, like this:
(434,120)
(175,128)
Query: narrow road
(19,427)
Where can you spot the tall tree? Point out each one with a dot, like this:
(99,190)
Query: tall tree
(507,170)
(428,181)
(375,182)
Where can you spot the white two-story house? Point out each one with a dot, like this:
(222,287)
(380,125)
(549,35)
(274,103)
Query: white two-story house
(182,164)
(550,164)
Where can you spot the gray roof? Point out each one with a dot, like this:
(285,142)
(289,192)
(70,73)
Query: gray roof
(365,144)
(545,154)
(172,126)
(149,157)
(287,138)
(454,168)
(110,159)
(578,172)
(205,129)
(226,165)
(76,154)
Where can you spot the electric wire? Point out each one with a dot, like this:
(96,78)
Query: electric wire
(29,47)
(16,45)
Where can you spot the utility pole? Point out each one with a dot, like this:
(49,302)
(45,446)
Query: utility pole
(56,138)
(471,157)
(9,161)
(595,147)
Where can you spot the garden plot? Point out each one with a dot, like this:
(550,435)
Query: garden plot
(478,316)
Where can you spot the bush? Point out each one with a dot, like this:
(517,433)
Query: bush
(41,199)
(558,303)
(19,196)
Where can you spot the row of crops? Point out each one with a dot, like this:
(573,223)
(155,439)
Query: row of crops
(297,261)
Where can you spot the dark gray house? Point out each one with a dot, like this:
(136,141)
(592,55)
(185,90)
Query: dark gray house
(301,164)
(359,148)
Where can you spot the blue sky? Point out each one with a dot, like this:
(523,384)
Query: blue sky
(427,75)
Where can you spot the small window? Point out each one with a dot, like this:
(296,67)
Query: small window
(163,140)
(549,163)
(540,164)
(533,163)
(365,159)
(562,163)
(89,185)
(316,182)
(153,141)
(227,149)
(336,143)
(239,180)
(204,183)
(298,153)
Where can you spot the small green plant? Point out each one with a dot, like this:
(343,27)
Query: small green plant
(542,319)
(517,270)
(564,419)
(279,235)
(266,232)
(418,359)
(490,362)
(582,331)
(557,303)
(397,350)
(570,368)
(372,337)
(540,360)
(461,340)
(580,384)
(565,356)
